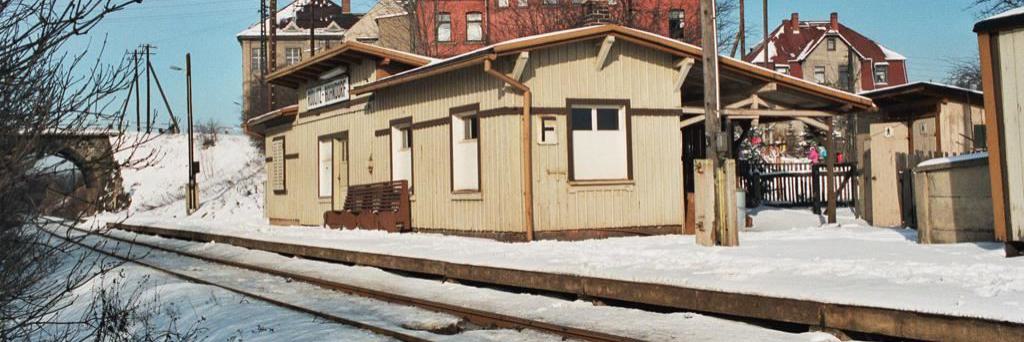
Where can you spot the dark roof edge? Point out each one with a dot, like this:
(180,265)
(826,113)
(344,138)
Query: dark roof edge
(1000,22)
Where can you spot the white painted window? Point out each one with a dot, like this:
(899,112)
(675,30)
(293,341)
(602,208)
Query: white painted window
(502,3)
(256,60)
(474,27)
(292,55)
(326,167)
(547,132)
(465,151)
(550,2)
(819,74)
(881,73)
(277,178)
(444,27)
(522,3)
(401,153)
(599,146)
(782,69)
(831,43)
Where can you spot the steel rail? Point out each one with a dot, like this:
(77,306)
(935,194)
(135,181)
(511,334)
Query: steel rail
(331,317)
(479,317)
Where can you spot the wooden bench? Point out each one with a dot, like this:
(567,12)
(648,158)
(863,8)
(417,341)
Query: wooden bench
(382,205)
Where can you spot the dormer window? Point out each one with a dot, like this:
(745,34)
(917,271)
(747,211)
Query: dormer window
(782,69)
(881,73)
(831,43)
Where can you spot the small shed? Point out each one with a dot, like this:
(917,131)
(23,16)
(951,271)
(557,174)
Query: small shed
(954,200)
(1001,45)
(914,122)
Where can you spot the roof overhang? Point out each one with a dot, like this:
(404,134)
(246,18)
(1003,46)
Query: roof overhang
(347,53)
(676,48)
(913,96)
(272,118)
(1012,19)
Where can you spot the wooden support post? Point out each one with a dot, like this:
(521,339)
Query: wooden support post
(704,203)
(830,181)
(718,144)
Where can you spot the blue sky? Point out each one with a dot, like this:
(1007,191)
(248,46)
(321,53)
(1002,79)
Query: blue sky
(928,32)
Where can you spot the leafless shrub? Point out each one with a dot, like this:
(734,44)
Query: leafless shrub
(53,97)
(964,73)
(208,133)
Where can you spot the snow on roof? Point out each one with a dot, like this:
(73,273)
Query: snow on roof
(1007,14)
(891,55)
(953,160)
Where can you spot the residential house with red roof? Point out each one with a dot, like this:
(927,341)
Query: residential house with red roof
(830,53)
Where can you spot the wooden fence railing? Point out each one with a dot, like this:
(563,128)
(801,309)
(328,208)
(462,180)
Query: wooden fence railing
(796,184)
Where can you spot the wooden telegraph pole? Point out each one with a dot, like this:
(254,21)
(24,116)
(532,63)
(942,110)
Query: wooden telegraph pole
(272,53)
(191,190)
(718,226)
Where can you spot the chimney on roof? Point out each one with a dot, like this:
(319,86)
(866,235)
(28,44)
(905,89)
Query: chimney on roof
(794,22)
(833,21)
(346,6)
(595,12)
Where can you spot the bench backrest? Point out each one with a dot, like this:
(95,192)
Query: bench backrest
(378,197)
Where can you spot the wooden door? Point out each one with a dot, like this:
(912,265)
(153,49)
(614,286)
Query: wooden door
(889,150)
(340,173)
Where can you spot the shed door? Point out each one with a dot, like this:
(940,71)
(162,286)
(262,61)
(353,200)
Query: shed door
(340,173)
(889,150)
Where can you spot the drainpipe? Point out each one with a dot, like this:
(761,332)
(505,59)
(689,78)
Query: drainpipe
(524,142)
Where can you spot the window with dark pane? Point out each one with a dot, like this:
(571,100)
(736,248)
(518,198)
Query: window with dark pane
(607,119)
(581,119)
(471,128)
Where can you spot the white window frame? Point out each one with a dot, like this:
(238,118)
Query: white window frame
(680,15)
(600,155)
(881,67)
(292,55)
(502,3)
(446,25)
(474,26)
(782,69)
(325,168)
(522,3)
(820,71)
(256,60)
(830,43)
(465,152)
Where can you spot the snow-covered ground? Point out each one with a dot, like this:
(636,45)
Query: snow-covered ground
(789,252)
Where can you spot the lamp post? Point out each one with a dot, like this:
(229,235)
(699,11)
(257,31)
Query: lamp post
(192,189)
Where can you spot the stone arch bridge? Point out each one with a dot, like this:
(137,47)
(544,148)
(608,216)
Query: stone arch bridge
(100,187)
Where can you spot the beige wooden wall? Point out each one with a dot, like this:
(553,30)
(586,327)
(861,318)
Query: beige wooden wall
(1010,45)
(957,125)
(954,203)
(301,202)
(498,206)
(643,76)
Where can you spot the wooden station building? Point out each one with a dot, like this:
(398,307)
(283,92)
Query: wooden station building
(599,113)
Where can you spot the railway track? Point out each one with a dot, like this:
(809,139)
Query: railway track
(477,317)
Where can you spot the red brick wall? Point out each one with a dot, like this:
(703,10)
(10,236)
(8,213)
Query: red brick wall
(505,23)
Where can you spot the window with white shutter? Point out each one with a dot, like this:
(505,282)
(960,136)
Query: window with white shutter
(277,179)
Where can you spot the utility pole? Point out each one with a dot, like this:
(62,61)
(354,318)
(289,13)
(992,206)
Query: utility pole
(766,33)
(272,52)
(743,29)
(149,119)
(312,28)
(138,107)
(722,227)
(191,189)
